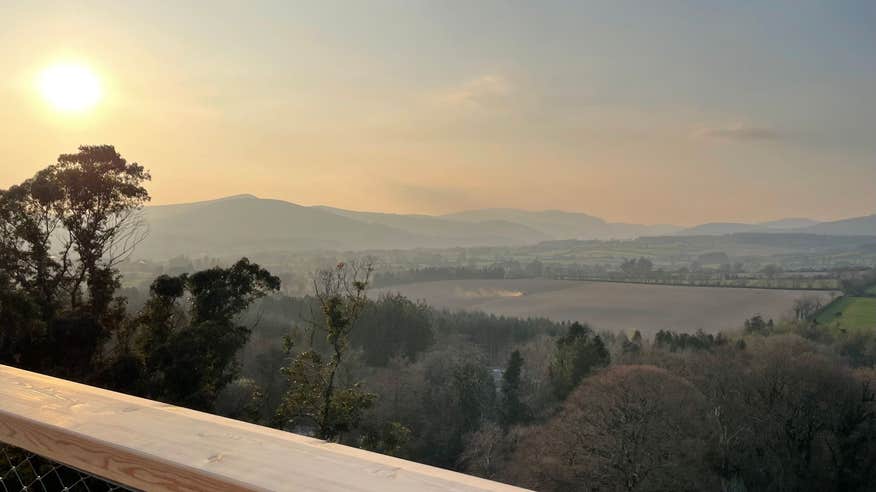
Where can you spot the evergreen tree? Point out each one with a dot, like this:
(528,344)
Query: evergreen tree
(513,410)
(578,353)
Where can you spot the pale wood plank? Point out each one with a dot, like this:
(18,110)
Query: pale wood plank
(153,446)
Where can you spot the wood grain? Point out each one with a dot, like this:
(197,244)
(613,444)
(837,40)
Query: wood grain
(149,445)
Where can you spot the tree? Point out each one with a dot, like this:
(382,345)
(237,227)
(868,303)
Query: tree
(814,421)
(102,195)
(771,271)
(459,396)
(30,216)
(488,450)
(393,326)
(314,401)
(632,428)
(578,353)
(64,229)
(189,353)
(784,416)
(806,308)
(641,267)
(512,410)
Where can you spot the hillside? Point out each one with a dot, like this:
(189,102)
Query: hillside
(245,224)
(445,232)
(721,228)
(857,226)
(790,223)
(564,225)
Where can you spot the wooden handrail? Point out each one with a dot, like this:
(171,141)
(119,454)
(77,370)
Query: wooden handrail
(149,445)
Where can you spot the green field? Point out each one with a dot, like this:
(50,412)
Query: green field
(872,290)
(850,313)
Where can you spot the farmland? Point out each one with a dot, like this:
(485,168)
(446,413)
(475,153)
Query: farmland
(850,313)
(611,306)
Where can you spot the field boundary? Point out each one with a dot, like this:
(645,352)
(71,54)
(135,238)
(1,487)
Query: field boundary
(827,306)
(670,284)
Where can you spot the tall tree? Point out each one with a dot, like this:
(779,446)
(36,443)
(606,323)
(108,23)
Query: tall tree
(189,354)
(512,409)
(65,228)
(315,402)
(102,194)
(578,353)
(393,325)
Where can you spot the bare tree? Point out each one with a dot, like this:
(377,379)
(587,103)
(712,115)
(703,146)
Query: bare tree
(314,398)
(626,428)
(806,307)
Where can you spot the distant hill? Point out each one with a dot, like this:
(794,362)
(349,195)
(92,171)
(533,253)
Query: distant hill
(245,224)
(790,223)
(563,225)
(720,228)
(446,232)
(554,223)
(631,231)
(857,226)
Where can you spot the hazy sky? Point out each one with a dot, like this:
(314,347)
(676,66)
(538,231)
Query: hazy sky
(652,111)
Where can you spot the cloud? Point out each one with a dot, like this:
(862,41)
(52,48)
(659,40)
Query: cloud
(740,132)
(482,92)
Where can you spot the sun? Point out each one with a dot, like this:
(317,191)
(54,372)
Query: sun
(70,87)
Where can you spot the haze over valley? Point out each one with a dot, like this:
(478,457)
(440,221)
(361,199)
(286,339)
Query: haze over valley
(438,245)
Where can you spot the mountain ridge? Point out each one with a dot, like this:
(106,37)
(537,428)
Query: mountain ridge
(247,224)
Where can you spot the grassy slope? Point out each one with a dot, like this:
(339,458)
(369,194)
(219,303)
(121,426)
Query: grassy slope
(857,313)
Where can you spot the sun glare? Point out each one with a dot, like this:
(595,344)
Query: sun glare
(70,87)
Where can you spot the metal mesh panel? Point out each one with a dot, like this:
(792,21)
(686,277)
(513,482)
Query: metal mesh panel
(23,471)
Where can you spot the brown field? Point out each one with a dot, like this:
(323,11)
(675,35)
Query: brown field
(611,306)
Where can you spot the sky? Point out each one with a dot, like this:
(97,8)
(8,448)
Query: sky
(646,112)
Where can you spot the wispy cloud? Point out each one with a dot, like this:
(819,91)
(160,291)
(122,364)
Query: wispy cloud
(482,92)
(740,132)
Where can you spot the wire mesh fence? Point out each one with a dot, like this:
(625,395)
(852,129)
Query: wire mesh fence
(23,471)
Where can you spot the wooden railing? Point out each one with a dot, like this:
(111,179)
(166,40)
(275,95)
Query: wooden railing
(147,445)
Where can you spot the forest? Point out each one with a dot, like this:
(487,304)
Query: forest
(777,404)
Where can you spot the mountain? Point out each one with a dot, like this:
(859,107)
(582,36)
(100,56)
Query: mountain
(563,225)
(446,232)
(245,224)
(790,223)
(632,231)
(721,228)
(857,226)
(554,223)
